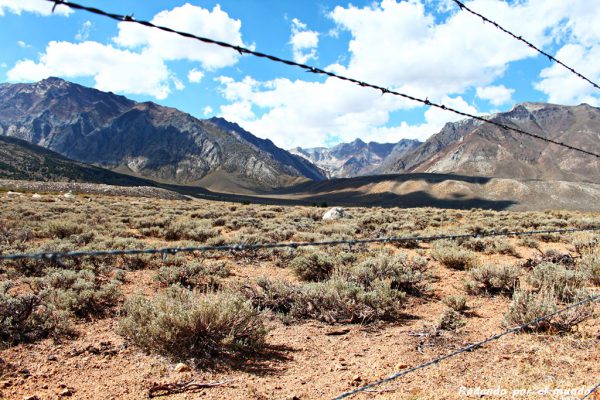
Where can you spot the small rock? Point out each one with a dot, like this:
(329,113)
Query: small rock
(36,196)
(181,367)
(66,392)
(400,366)
(69,195)
(52,357)
(357,378)
(32,397)
(336,213)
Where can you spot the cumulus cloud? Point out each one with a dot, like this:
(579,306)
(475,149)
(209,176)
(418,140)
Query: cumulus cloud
(23,45)
(137,61)
(304,42)
(215,24)
(402,46)
(195,76)
(496,95)
(208,110)
(113,69)
(32,6)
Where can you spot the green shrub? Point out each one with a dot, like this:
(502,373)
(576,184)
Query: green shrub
(555,278)
(314,267)
(490,246)
(490,279)
(62,230)
(453,256)
(183,324)
(590,265)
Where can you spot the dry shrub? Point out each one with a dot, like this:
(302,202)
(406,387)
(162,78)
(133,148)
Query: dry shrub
(563,282)
(528,306)
(590,265)
(453,256)
(490,279)
(451,320)
(188,325)
(193,275)
(456,303)
(314,267)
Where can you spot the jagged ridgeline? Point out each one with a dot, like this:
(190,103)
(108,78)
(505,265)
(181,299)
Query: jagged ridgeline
(144,139)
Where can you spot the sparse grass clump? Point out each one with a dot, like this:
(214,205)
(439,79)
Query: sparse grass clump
(188,325)
(456,303)
(453,256)
(491,280)
(451,320)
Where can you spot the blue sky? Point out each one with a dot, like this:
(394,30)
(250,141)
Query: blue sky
(427,48)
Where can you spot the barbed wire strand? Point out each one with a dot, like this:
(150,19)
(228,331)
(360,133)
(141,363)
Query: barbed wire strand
(462,6)
(591,391)
(470,347)
(242,50)
(245,247)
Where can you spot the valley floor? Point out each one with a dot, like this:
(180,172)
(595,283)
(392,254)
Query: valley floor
(317,353)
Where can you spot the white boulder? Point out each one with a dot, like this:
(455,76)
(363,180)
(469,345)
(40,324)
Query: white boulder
(13,194)
(336,213)
(69,195)
(36,196)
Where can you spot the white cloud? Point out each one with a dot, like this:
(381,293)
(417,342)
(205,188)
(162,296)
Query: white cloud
(23,45)
(195,76)
(84,32)
(208,110)
(215,24)
(3,65)
(32,6)
(139,66)
(113,69)
(304,42)
(496,95)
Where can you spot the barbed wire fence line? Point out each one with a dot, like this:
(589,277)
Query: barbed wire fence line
(57,256)
(462,6)
(470,347)
(592,391)
(245,247)
(243,50)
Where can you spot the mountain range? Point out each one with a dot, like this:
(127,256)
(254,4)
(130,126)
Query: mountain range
(152,143)
(470,147)
(144,139)
(357,158)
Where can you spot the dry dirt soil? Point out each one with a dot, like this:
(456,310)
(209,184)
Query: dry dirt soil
(302,358)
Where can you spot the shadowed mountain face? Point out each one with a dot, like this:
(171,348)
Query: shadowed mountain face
(357,158)
(21,160)
(470,147)
(143,139)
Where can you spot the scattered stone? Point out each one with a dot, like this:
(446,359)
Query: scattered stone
(32,397)
(66,392)
(400,366)
(338,332)
(36,196)
(356,378)
(181,367)
(336,213)
(52,357)
(69,195)
(13,194)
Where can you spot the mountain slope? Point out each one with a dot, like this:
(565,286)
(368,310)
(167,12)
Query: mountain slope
(470,147)
(356,158)
(143,139)
(22,160)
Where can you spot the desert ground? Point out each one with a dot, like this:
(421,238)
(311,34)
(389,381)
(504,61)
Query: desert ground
(305,323)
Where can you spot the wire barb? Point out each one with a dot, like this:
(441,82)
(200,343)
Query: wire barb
(592,390)
(520,38)
(122,18)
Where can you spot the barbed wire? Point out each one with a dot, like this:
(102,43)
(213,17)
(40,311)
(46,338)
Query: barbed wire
(246,247)
(470,347)
(462,6)
(242,50)
(591,391)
